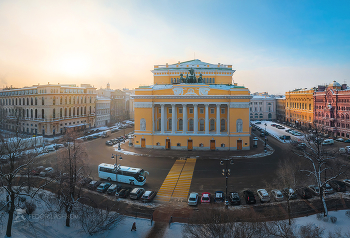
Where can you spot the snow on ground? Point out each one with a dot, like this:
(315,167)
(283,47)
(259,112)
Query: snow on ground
(275,132)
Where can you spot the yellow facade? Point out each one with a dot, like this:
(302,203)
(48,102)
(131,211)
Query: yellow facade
(300,106)
(192,116)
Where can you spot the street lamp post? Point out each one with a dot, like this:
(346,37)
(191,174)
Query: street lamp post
(116,165)
(265,139)
(226,172)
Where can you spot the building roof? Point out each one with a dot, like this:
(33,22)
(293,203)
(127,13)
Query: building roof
(334,84)
(195,64)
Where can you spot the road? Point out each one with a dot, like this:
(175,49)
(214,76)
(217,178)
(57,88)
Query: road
(246,173)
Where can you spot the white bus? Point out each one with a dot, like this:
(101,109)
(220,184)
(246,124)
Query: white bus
(133,176)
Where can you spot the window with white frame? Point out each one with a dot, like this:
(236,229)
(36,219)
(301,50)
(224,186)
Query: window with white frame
(212,110)
(180,110)
(191,110)
(222,110)
(170,110)
(201,110)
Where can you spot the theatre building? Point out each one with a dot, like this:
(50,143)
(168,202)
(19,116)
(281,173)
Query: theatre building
(192,105)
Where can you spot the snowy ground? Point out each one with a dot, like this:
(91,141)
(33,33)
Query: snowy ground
(273,131)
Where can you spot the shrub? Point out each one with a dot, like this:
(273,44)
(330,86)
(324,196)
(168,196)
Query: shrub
(325,219)
(30,207)
(333,219)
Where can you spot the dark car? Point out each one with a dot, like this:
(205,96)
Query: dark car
(110,143)
(123,193)
(234,198)
(289,193)
(249,196)
(136,193)
(262,134)
(301,146)
(148,196)
(347,141)
(219,196)
(338,186)
(113,189)
(304,193)
(103,187)
(94,184)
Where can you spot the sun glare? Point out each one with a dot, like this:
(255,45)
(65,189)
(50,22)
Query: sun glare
(74,65)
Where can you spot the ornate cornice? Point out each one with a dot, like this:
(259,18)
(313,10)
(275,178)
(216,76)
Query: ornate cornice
(189,97)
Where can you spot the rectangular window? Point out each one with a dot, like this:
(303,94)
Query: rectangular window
(159,110)
(180,110)
(222,110)
(212,110)
(191,110)
(201,110)
(170,110)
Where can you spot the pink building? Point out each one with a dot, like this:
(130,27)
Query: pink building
(332,109)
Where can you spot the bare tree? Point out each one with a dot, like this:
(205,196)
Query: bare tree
(18,153)
(72,167)
(320,161)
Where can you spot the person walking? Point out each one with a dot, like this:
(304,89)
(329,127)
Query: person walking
(133,228)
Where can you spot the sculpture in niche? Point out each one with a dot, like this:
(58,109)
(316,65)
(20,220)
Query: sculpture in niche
(142,124)
(239,125)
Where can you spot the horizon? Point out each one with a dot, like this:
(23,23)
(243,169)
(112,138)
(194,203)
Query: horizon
(274,46)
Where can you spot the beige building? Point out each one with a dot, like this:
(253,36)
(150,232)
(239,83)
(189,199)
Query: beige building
(49,109)
(262,108)
(281,109)
(103,111)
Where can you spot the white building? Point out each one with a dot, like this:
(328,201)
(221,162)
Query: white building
(103,111)
(263,108)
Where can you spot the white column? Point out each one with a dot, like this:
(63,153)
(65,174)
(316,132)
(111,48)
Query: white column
(195,121)
(153,127)
(217,118)
(173,119)
(184,119)
(162,121)
(206,118)
(228,119)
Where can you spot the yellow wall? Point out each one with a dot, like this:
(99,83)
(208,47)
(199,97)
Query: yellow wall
(300,106)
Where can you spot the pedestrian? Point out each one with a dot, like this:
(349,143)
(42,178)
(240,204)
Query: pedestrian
(133,228)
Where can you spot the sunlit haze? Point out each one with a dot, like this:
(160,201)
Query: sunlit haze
(275,46)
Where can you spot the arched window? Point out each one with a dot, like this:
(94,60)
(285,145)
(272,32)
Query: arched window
(180,124)
(54,113)
(159,124)
(347,116)
(27,113)
(191,125)
(222,125)
(201,125)
(170,126)
(342,116)
(73,111)
(42,101)
(65,100)
(60,112)
(70,111)
(212,125)
(70,100)
(142,124)
(73,100)
(16,101)
(27,101)
(24,101)
(81,111)
(90,110)
(31,113)
(256,115)
(85,110)
(60,100)
(260,115)
(251,115)
(77,111)
(54,101)
(239,125)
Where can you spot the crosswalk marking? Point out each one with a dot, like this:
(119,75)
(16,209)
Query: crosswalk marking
(178,181)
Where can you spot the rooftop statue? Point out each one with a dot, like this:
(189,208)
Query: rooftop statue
(200,79)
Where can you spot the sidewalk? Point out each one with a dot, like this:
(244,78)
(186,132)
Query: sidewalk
(252,153)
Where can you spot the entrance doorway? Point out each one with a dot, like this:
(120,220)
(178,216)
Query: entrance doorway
(167,144)
(212,144)
(189,144)
(143,143)
(239,144)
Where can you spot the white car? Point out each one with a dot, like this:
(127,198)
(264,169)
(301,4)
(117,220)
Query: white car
(263,195)
(340,139)
(277,195)
(193,199)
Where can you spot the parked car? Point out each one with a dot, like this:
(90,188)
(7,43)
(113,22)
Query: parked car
(347,182)
(123,193)
(301,146)
(315,190)
(205,198)
(94,184)
(338,186)
(148,196)
(347,141)
(258,122)
(219,196)
(328,142)
(304,193)
(234,198)
(274,125)
(113,189)
(328,189)
(249,196)
(342,150)
(277,195)
(340,139)
(103,187)
(136,193)
(289,193)
(110,143)
(193,199)
(262,134)
(37,170)
(280,127)
(263,195)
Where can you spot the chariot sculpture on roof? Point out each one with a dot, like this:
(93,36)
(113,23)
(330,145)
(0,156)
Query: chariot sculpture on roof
(191,78)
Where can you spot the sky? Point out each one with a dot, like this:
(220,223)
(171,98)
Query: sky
(274,45)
